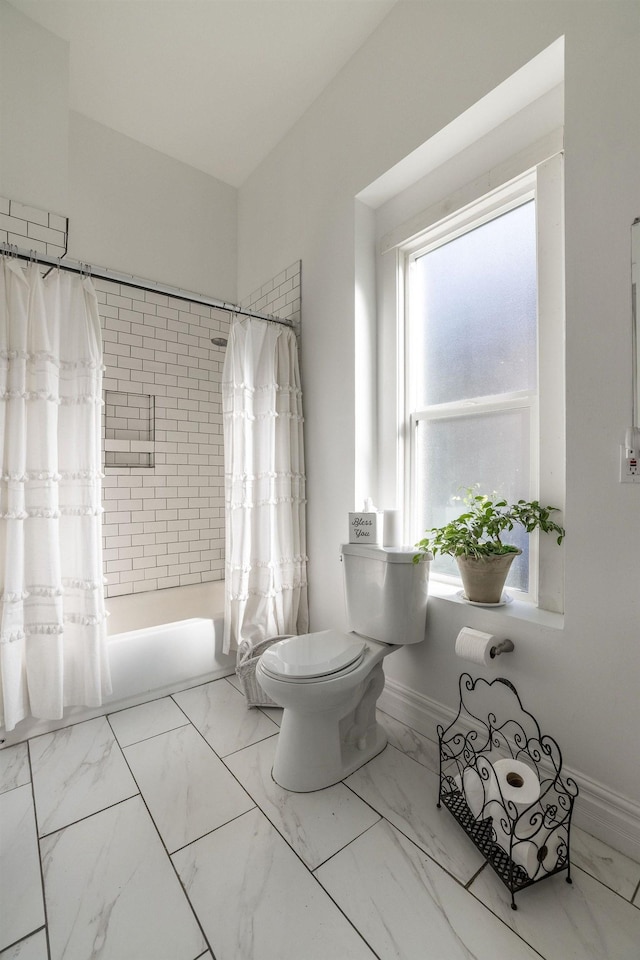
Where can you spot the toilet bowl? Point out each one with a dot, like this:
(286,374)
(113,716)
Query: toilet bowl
(328,726)
(329,682)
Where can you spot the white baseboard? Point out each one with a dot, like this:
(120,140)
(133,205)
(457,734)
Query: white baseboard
(599,811)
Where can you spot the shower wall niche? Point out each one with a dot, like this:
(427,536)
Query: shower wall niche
(129,429)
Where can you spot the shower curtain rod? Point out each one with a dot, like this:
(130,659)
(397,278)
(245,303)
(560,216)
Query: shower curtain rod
(102,273)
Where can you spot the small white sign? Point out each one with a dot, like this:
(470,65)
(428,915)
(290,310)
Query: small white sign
(364,528)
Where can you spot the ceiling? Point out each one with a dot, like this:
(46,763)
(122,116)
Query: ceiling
(213,83)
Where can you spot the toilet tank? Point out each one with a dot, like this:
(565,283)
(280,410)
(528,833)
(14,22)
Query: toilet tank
(385,592)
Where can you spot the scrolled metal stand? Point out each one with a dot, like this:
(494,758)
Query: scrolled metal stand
(523,846)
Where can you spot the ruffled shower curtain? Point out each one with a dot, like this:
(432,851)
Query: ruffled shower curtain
(52,629)
(266,562)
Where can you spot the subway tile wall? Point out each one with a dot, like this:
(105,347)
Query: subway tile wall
(280,297)
(163,525)
(32,229)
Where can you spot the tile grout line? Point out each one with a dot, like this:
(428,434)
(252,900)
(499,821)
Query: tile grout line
(220,826)
(108,806)
(239,749)
(38,841)
(415,843)
(467,885)
(163,844)
(349,842)
(501,919)
(575,866)
(312,872)
(277,829)
(23,940)
(88,816)
(151,736)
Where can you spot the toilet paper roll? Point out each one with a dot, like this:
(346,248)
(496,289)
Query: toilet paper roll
(553,848)
(474,645)
(518,783)
(478,786)
(470,785)
(539,856)
(515,788)
(523,852)
(391,534)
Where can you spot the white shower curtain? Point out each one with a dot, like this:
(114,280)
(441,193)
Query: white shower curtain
(266,563)
(52,630)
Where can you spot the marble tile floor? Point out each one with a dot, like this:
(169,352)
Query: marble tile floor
(157,833)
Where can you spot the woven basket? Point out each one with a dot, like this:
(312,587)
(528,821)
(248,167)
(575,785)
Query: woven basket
(248,655)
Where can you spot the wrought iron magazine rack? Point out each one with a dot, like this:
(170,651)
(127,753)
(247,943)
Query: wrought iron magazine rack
(523,842)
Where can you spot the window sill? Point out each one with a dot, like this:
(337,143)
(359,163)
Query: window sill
(516,610)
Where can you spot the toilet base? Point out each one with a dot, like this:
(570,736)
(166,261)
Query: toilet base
(312,776)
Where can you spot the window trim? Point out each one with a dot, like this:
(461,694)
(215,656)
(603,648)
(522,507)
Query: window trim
(544,183)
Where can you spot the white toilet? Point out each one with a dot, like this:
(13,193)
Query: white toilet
(329,682)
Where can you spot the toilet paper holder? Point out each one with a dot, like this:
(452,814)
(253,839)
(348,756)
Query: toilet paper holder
(486,753)
(505,646)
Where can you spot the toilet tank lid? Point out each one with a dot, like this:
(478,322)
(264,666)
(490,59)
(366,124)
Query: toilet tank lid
(376,552)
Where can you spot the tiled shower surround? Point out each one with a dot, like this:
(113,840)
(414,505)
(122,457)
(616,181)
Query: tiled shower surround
(163,524)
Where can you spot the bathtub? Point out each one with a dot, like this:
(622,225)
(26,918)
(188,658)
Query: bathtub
(173,640)
(158,642)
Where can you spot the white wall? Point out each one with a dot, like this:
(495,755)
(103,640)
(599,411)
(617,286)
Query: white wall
(139,211)
(34,124)
(131,208)
(425,65)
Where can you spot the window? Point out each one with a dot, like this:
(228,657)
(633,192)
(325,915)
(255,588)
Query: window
(481,311)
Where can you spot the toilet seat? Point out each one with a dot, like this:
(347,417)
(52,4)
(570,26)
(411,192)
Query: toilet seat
(313,656)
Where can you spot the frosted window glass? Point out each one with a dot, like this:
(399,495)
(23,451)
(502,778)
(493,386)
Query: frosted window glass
(490,451)
(475,302)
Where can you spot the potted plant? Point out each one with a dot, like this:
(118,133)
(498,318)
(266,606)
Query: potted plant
(475,540)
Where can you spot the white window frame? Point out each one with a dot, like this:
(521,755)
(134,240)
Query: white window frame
(543,183)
